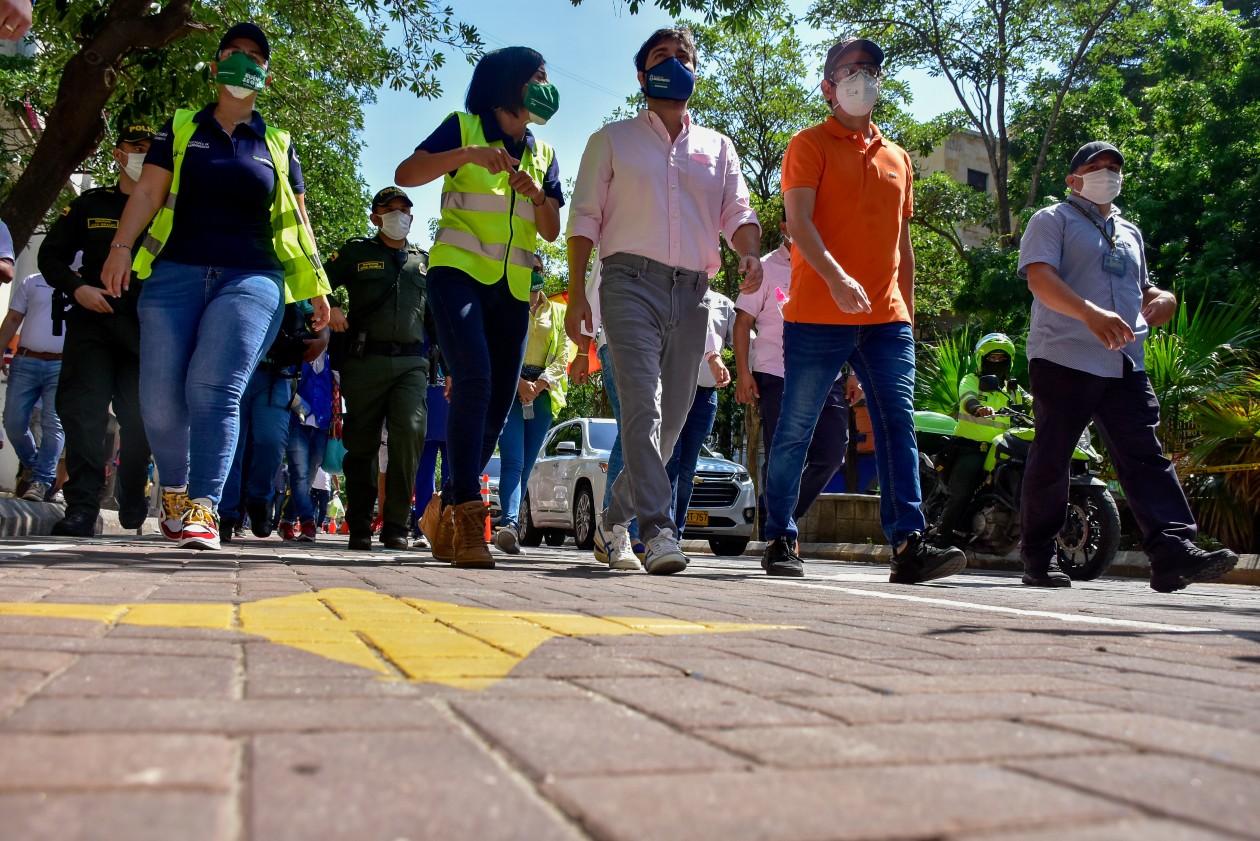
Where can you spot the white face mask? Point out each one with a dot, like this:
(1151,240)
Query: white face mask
(856,95)
(239,92)
(1100,186)
(134,165)
(396,224)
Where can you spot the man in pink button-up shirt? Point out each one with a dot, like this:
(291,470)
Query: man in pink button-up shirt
(654,193)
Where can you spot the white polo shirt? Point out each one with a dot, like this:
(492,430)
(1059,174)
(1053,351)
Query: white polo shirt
(33,298)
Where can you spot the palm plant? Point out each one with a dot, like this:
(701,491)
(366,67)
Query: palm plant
(940,367)
(1223,480)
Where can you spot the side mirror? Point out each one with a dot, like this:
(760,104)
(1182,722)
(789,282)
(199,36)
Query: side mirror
(566,448)
(988,382)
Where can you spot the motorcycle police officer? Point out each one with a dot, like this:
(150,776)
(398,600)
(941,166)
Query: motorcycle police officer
(101,356)
(385,374)
(982,394)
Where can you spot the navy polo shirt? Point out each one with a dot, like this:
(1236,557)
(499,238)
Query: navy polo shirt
(448,136)
(223,213)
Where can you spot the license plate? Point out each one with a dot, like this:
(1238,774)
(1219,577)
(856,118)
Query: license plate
(697,518)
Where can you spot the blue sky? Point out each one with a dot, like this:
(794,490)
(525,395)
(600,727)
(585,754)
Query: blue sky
(589,51)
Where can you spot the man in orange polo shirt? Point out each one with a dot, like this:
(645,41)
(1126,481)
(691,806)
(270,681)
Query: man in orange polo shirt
(848,195)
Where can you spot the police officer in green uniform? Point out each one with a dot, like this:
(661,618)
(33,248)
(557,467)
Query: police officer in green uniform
(101,358)
(981,395)
(385,374)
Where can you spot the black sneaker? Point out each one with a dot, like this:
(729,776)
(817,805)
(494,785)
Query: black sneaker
(780,559)
(394,536)
(360,541)
(75,524)
(920,561)
(229,529)
(131,515)
(259,518)
(1050,575)
(1193,566)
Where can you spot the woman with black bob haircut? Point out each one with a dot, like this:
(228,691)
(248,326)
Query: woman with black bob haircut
(500,192)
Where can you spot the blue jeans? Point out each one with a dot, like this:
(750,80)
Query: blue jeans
(203,331)
(264,432)
(615,462)
(518,450)
(682,465)
(481,329)
(306,455)
(426,475)
(882,356)
(32,380)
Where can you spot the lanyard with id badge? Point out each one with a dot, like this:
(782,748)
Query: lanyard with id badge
(1112,263)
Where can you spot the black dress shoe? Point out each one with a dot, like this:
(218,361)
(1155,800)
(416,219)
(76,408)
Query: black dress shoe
(259,517)
(228,527)
(360,542)
(780,559)
(394,537)
(1190,567)
(1048,576)
(131,515)
(75,524)
(920,561)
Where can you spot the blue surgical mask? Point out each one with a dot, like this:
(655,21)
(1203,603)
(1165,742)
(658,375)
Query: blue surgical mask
(669,80)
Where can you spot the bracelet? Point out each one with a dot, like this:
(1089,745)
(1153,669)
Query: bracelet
(120,245)
(582,353)
(539,203)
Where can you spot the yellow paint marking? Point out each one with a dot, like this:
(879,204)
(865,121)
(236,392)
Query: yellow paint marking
(426,641)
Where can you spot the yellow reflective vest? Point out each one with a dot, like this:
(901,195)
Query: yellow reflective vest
(304,275)
(988,429)
(487,229)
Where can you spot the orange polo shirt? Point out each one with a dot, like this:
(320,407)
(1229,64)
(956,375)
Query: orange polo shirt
(864,194)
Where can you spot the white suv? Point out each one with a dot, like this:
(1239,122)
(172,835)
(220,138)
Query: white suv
(566,491)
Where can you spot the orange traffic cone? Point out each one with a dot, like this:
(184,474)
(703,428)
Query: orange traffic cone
(345,527)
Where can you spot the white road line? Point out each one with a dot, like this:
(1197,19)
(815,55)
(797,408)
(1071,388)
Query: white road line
(1040,614)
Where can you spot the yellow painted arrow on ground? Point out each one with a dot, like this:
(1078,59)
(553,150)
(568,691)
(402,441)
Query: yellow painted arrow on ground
(423,641)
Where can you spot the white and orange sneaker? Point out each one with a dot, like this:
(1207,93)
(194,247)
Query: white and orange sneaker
(201,526)
(174,503)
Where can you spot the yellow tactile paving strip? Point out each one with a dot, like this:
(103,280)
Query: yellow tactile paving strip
(400,639)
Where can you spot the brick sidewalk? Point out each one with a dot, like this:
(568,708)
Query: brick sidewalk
(268,693)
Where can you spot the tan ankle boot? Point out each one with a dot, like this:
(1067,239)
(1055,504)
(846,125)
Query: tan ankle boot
(438,524)
(470,536)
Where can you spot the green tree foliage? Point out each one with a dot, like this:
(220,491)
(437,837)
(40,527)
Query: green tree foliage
(988,52)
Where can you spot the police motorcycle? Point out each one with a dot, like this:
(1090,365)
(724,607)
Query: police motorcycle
(1091,535)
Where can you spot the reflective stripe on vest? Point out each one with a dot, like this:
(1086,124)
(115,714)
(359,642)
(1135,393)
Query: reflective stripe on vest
(975,428)
(304,275)
(487,229)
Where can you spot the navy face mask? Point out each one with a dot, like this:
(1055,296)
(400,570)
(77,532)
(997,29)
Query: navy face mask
(669,80)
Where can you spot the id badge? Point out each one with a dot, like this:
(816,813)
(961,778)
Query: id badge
(1113,263)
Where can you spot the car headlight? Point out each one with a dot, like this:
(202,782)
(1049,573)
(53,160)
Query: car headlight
(742,478)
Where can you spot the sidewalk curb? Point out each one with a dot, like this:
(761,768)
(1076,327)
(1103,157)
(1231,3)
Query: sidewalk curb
(1126,564)
(21,518)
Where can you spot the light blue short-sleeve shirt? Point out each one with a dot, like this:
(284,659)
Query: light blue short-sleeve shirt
(1072,238)
(6,243)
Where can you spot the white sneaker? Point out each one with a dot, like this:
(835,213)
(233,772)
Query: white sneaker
(620,554)
(508,540)
(664,557)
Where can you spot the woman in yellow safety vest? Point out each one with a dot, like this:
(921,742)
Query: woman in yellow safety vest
(217,267)
(501,191)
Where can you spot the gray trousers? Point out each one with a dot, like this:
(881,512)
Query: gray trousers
(655,320)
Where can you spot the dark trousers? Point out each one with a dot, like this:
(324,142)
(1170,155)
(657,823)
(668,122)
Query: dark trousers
(389,391)
(100,366)
(481,329)
(966,474)
(1127,414)
(681,467)
(827,448)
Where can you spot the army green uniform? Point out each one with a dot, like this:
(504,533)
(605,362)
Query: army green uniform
(388,382)
(101,356)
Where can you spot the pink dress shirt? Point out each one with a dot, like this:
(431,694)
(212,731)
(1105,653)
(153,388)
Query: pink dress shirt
(766,351)
(640,193)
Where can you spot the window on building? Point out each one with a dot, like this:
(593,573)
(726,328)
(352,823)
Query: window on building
(978,180)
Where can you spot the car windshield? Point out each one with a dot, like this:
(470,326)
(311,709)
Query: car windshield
(602,433)
(492,468)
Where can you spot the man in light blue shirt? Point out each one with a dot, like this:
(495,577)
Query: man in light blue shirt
(1093,305)
(6,254)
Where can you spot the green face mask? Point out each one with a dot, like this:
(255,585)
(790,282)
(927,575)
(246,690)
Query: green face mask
(241,75)
(542,101)
(536,282)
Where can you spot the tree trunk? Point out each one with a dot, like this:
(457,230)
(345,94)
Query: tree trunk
(75,126)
